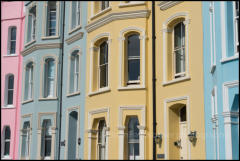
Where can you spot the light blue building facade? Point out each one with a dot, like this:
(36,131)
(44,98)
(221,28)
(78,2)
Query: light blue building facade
(53,80)
(221,78)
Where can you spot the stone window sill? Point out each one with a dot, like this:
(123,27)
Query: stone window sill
(27,101)
(73,94)
(29,43)
(12,55)
(224,60)
(103,90)
(8,106)
(121,5)
(46,99)
(101,13)
(176,80)
(75,29)
(131,87)
(50,37)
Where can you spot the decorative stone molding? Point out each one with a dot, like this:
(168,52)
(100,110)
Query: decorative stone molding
(74,38)
(117,16)
(40,46)
(168,4)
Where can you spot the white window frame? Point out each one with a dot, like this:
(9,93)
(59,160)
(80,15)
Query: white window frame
(10,40)
(49,12)
(166,30)
(235,20)
(45,20)
(7,90)
(42,77)
(129,82)
(99,68)
(183,63)
(76,75)
(94,50)
(212,35)
(121,39)
(78,17)
(33,4)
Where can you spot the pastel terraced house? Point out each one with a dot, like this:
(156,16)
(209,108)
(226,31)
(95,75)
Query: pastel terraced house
(12,34)
(221,78)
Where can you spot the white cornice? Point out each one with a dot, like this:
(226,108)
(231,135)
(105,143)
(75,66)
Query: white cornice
(40,46)
(168,4)
(117,16)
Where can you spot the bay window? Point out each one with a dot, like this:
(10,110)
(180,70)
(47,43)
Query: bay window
(31,34)
(103,65)
(133,59)
(179,50)
(49,80)
(236,24)
(28,81)
(51,18)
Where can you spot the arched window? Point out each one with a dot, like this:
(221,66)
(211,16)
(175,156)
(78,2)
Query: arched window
(9,90)
(28,81)
(25,140)
(46,141)
(103,65)
(133,59)
(74,72)
(179,50)
(101,139)
(7,139)
(12,34)
(51,18)
(133,139)
(49,77)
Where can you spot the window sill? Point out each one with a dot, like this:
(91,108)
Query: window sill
(73,94)
(131,87)
(101,13)
(75,29)
(50,37)
(103,90)
(213,67)
(12,55)
(27,101)
(224,60)
(8,107)
(121,5)
(176,81)
(46,99)
(29,43)
(6,158)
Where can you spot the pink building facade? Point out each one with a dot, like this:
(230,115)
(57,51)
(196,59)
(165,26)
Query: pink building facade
(12,40)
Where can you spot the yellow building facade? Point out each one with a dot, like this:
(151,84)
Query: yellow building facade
(179,85)
(118,107)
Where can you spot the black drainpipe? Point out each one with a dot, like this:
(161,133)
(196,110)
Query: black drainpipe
(154,79)
(61,84)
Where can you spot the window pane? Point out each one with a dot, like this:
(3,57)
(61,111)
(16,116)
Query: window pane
(72,74)
(103,76)
(10,97)
(133,131)
(12,47)
(10,82)
(103,53)
(6,148)
(133,45)
(48,141)
(74,3)
(131,149)
(180,61)
(24,142)
(29,27)
(136,149)
(7,133)
(134,69)
(13,33)
(177,36)
(183,114)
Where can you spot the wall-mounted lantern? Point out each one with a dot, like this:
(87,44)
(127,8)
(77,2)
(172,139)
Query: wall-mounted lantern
(192,136)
